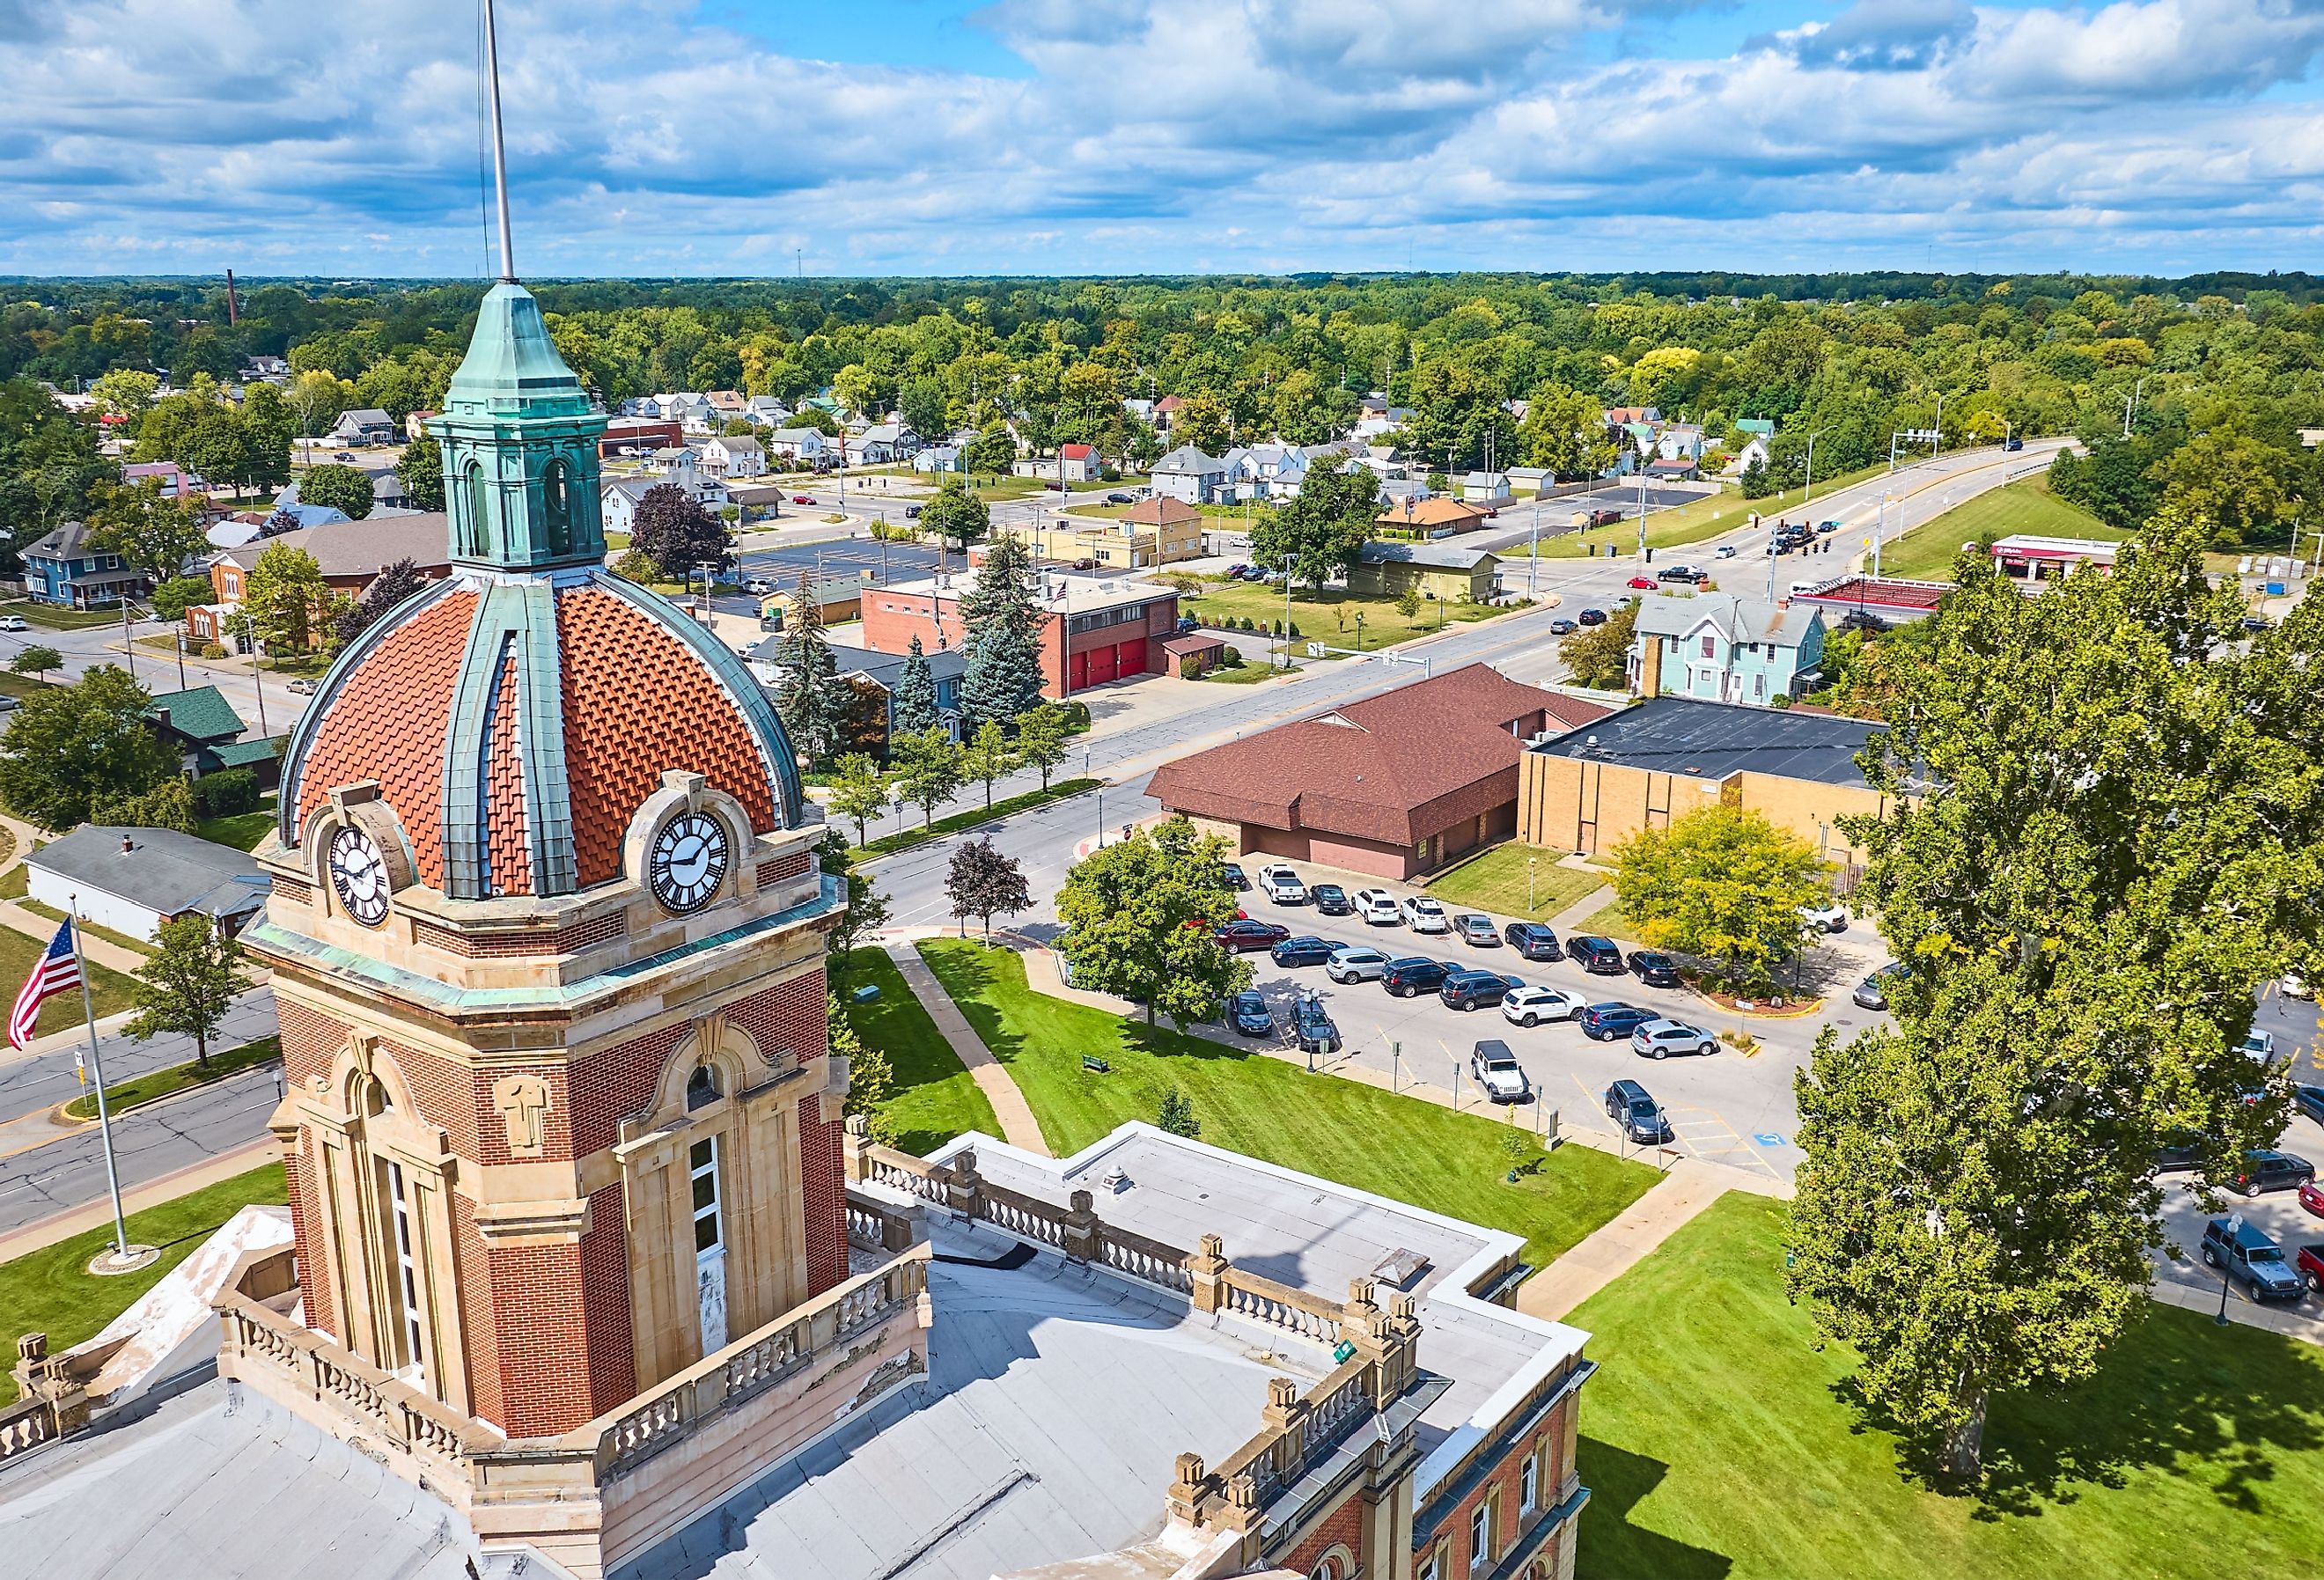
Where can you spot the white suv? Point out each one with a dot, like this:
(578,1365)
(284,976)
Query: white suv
(1282,886)
(1530,1006)
(1831,917)
(1424,915)
(1356,963)
(1378,907)
(1496,1070)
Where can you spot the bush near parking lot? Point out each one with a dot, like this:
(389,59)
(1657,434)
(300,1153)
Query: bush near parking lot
(1722,884)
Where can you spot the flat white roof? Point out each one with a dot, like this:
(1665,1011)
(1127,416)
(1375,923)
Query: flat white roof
(2069,548)
(1075,594)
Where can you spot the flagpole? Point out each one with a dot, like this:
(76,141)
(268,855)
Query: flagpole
(96,1068)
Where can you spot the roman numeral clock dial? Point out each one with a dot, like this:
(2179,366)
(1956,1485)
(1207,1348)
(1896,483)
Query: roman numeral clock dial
(689,861)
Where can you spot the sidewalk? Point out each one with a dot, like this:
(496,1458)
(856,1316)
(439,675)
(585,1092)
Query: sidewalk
(64,1225)
(1019,1128)
(1616,1248)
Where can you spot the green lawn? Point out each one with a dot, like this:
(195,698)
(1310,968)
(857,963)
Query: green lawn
(935,1097)
(1707,517)
(1248,673)
(243,830)
(154,1085)
(16,881)
(1356,1134)
(56,617)
(1926,553)
(51,1291)
(19,686)
(1607,921)
(890,844)
(1500,881)
(109,989)
(1717,1444)
(1329,615)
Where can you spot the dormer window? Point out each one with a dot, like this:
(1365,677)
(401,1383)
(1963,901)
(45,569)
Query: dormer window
(701,1088)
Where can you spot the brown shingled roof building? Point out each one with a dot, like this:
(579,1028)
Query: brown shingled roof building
(1396,785)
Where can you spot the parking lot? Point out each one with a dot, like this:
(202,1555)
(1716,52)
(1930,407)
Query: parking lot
(2277,1213)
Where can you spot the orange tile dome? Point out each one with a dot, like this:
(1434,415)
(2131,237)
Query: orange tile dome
(515,725)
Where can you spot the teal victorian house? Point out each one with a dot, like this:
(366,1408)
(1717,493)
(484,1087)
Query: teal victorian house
(1718,647)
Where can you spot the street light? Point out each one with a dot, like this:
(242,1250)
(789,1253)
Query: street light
(1532,862)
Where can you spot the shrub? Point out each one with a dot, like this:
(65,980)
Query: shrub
(637,566)
(211,650)
(1176,1116)
(227,793)
(1077,715)
(1294,628)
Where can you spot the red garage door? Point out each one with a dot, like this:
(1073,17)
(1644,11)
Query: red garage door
(1101,665)
(1130,657)
(1077,671)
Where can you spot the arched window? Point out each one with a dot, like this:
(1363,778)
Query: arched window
(557,508)
(701,1088)
(480,517)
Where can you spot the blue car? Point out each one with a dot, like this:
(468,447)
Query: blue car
(2310,1101)
(1304,951)
(1605,1022)
(1252,1018)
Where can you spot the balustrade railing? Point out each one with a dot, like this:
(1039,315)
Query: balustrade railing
(1264,1300)
(26,1424)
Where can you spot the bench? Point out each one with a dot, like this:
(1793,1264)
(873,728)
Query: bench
(1095,1066)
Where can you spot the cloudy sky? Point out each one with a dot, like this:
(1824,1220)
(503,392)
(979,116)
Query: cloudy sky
(1070,136)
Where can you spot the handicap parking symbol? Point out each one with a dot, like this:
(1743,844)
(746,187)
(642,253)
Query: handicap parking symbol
(1767,1139)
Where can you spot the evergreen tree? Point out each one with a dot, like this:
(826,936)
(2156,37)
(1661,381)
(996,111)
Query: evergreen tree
(1004,620)
(812,699)
(391,586)
(916,694)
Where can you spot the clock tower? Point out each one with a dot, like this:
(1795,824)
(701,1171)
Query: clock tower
(547,937)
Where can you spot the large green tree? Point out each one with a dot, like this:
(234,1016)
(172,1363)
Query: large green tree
(346,489)
(927,768)
(954,514)
(2102,835)
(1139,915)
(1599,655)
(1321,530)
(1004,619)
(420,469)
(188,985)
(1723,883)
(288,603)
(914,707)
(68,746)
(812,698)
(151,531)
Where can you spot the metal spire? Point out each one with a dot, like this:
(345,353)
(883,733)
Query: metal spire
(500,153)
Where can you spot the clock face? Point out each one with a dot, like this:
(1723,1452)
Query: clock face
(359,875)
(688,862)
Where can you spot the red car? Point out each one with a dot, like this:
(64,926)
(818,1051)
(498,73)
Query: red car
(1644,583)
(802,499)
(2311,1196)
(1241,936)
(2309,1265)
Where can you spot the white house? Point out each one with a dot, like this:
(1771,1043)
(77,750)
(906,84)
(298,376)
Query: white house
(806,446)
(1681,441)
(365,425)
(883,443)
(619,496)
(1188,475)
(1754,450)
(937,458)
(1485,488)
(728,456)
(765,411)
(133,880)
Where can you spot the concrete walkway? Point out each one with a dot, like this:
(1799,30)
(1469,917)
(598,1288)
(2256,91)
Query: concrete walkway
(1019,1128)
(1689,1187)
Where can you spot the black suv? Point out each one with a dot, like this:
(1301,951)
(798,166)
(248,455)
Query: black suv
(1331,900)
(1415,974)
(1654,969)
(1599,957)
(2250,1259)
(1470,990)
(1533,940)
(1605,1022)
(1629,1105)
(1304,951)
(2272,1170)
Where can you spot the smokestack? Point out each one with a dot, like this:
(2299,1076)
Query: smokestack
(233,307)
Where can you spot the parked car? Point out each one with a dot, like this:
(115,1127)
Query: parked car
(1282,886)
(912,512)
(802,499)
(1252,1018)
(1330,899)
(1477,931)
(1496,1071)
(1629,1105)
(1530,1006)
(1606,1021)
(1235,572)
(1591,616)
(1424,915)
(760,584)
(1533,939)
(1358,963)
(2310,1101)
(1596,955)
(1233,873)
(1414,975)
(2292,985)
(1872,993)
(1654,968)
(2259,1046)
(2308,1266)
(1473,990)
(1831,917)
(1378,907)
(301,687)
(1561,626)
(1119,498)
(1304,950)
(2182,1152)
(1188,625)
(2272,1170)
(2248,1257)
(1661,1038)
(1241,936)
(2311,1196)
(12,623)
(1316,1030)
(1644,583)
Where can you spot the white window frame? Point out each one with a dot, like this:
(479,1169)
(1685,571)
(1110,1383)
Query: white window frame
(406,1274)
(715,1209)
(1528,1485)
(1480,1535)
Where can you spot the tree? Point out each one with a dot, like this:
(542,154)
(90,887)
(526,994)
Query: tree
(126,393)
(391,586)
(168,805)
(859,792)
(1756,484)
(982,882)
(316,397)
(1408,602)
(346,489)
(866,911)
(1175,1115)
(671,529)
(954,514)
(36,659)
(420,469)
(914,707)
(153,532)
(870,1076)
(927,768)
(1201,422)
(991,453)
(67,745)
(921,403)
(189,983)
(288,602)
(1599,655)
(1324,525)
(1041,736)
(985,756)
(1721,882)
(1139,916)
(812,700)
(2098,848)
(1004,619)
(1563,430)
(173,597)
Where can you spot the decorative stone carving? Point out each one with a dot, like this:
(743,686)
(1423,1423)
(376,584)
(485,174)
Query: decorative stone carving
(523,1104)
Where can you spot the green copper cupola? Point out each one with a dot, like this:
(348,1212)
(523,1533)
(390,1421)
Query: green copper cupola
(520,441)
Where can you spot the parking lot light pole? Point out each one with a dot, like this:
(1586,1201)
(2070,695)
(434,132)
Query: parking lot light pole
(1532,862)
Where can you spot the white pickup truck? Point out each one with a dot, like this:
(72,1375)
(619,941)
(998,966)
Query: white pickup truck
(1282,886)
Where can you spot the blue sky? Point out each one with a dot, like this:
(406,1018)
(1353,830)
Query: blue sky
(1088,136)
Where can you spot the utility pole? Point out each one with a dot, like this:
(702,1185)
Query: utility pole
(2131,404)
(1810,491)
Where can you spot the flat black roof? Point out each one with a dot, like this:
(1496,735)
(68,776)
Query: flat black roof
(1710,740)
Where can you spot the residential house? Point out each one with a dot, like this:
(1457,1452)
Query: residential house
(1264,471)
(1078,463)
(1142,409)
(415,425)
(1186,473)
(804,446)
(1724,647)
(1378,418)
(620,496)
(726,405)
(1427,517)
(264,369)
(368,425)
(66,567)
(1758,428)
(1490,488)
(765,411)
(174,481)
(133,880)
(884,670)
(1681,441)
(1674,470)
(1755,448)
(193,722)
(1165,412)
(349,554)
(1443,571)
(883,444)
(937,457)
(1624,416)
(726,456)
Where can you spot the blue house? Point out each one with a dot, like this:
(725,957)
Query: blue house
(1717,647)
(65,568)
(945,668)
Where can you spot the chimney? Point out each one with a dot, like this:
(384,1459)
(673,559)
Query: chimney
(127,844)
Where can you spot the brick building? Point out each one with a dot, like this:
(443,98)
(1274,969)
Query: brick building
(1096,629)
(349,554)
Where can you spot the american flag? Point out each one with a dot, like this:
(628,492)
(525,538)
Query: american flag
(57,971)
